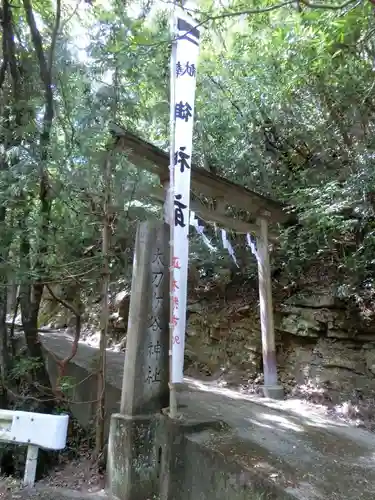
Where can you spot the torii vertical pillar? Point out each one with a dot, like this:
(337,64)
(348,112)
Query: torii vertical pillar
(271,389)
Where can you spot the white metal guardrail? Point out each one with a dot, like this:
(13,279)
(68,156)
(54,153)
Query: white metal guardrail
(36,430)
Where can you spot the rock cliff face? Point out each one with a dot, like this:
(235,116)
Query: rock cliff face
(325,347)
(326,344)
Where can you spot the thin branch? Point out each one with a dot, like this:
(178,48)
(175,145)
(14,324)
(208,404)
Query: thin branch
(4,62)
(208,18)
(45,75)
(69,120)
(132,196)
(73,276)
(227,14)
(69,18)
(3,69)
(54,35)
(247,12)
(270,8)
(10,53)
(230,98)
(11,333)
(63,302)
(61,364)
(325,6)
(45,71)
(32,398)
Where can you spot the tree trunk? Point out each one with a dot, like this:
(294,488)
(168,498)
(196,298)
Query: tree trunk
(4,353)
(9,138)
(99,441)
(12,328)
(30,298)
(31,295)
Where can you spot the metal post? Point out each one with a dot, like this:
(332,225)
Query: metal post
(31,464)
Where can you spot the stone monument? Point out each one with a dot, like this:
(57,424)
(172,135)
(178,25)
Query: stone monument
(135,447)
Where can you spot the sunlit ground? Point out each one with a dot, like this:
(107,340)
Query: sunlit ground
(294,405)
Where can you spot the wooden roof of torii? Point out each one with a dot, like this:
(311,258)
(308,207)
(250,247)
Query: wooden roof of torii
(226,193)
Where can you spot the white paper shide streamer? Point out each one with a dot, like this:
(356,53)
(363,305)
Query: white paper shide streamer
(228,246)
(252,245)
(184,82)
(196,223)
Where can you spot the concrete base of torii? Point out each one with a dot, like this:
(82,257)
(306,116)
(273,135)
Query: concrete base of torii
(273,392)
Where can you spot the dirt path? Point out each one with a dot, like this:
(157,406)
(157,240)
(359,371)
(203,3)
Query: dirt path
(297,447)
(293,443)
(13,491)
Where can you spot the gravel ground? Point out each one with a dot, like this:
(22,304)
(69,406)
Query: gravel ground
(76,479)
(48,493)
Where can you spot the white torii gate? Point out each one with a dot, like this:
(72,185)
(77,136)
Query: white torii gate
(264,212)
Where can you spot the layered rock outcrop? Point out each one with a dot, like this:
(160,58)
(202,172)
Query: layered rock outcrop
(325,346)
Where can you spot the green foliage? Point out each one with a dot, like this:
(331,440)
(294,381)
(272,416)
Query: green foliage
(22,367)
(67,384)
(284,106)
